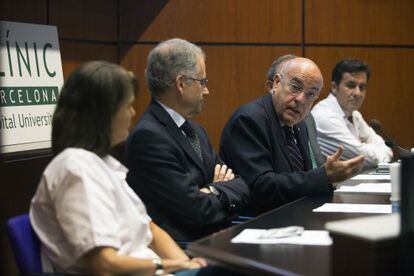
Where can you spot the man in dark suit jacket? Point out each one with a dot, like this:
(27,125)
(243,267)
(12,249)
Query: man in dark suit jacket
(266,142)
(315,151)
(185,186)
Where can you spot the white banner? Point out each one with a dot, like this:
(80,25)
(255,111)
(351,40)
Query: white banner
(30,80)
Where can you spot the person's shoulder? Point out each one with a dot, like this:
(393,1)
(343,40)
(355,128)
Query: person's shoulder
(147,118)
(323,110)
(73,154)
(75,157)
(254,115)
(254,108)
(146,124)
(322,104)
(358,118)
(357,114)
(71,162)
(308,122)
(148,131)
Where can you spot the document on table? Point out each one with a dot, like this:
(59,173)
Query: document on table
(371,177)
(366,188)
(372,228)
(308,237)
(354,208)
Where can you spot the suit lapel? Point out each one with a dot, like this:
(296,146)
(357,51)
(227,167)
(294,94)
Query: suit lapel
(276,127)
(159,112)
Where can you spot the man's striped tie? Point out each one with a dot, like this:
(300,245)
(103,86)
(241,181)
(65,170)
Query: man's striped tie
(296,158)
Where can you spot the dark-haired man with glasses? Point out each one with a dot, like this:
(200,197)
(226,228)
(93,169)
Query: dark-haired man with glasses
(266,142)
(173,168)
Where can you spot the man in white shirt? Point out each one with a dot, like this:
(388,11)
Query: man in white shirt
(338,120)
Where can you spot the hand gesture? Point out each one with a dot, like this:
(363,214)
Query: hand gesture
(338,170)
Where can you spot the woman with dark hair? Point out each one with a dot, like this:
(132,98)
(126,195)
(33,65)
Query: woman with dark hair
(85,214)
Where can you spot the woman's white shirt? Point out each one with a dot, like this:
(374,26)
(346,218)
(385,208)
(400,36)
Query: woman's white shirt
(83,202)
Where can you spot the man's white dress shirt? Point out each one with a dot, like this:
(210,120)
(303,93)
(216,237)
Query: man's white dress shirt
(84,202)
(358,138)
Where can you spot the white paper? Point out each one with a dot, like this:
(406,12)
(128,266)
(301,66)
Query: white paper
(371,177)
(308,237)
(366,188)
(354,208)
(383,165)
(373,228)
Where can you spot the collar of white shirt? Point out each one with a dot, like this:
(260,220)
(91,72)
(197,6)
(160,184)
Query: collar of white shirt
(333,102)
(177,118)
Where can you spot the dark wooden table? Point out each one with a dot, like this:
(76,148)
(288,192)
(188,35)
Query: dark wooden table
(286,259)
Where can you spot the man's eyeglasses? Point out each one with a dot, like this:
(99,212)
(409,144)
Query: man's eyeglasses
(295,88)
(203,82)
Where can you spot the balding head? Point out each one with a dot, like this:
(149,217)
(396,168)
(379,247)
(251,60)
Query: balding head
(302,67)
(276,66)
(296,87)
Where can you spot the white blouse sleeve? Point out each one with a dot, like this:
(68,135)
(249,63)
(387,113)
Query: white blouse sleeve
(85,207)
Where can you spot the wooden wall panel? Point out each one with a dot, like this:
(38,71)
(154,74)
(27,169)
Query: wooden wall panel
(236,76)
(24,11)
(75,53)
(389,95)
(359,22)
(86,19)
(212,20)
(135,59)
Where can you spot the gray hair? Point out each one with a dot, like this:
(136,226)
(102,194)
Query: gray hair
(168,60)
(275,67)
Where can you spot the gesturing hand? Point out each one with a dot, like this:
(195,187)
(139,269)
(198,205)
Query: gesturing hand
(338,170)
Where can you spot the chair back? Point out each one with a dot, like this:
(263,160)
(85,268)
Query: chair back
(25,244)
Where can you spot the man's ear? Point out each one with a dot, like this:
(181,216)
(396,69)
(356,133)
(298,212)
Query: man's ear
(334,87)
(276,80)
(180,83)
(269,85)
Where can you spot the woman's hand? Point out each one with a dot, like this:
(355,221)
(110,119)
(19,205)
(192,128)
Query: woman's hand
(200,261)
(175,265)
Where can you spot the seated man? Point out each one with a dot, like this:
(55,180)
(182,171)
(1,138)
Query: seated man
(316,156)
(173,168)
(338,120)
(266,142)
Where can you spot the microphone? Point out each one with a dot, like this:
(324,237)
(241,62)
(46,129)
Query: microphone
(376,125)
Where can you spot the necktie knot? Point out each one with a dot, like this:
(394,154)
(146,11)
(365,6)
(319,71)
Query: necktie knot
(192,138)
(288,131)
(188,129)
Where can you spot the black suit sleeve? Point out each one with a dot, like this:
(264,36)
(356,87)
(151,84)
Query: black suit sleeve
(234,194)
(250,147)
(161,175)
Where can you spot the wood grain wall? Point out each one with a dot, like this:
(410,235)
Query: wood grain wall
(241,38)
